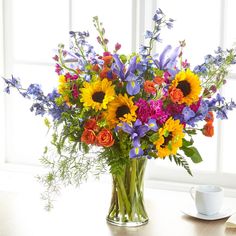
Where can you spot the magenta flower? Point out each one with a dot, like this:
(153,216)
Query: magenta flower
(151,110)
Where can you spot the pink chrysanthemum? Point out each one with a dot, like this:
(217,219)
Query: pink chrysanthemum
(151,110)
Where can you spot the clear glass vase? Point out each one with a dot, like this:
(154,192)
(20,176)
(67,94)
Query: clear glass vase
(127,205)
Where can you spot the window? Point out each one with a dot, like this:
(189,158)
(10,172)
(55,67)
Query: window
(32,29)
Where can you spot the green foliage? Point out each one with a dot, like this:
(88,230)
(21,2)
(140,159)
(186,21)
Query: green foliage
(193,153)
(187,143)
(67,163)
(47,123)
(117,156)
(152,154)
(180,161)
(123,58)
(114,159)
(154,137)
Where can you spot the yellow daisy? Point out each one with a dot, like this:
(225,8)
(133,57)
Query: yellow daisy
(169,138)
(97,94)
(189,84)
(121,108)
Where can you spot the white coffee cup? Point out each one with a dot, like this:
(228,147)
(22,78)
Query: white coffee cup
(208,198)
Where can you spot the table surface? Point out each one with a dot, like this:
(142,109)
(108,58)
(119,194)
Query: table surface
(82,212)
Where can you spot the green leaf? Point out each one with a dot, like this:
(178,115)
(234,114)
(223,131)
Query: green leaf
(182,162)
(187,143)
(45,150)
(191,131)
(153,138)
(170,146)
(152,154)
(166,134)
(123,58)
(193,153)
(47,122)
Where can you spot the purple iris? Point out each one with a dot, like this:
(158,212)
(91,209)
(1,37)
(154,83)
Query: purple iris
(137,131)
(133,86)
(168,61)
(133,81)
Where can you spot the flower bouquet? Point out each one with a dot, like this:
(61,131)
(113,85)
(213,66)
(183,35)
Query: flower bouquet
(131,108)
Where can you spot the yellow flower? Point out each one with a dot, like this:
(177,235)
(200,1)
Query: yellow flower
(62,84)
(169,138)
(63,89)
(121,108)
(97,94)
(189,84)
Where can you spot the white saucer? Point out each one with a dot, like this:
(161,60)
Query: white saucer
(191,211)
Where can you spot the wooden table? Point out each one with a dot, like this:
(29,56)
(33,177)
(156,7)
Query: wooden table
(82,212)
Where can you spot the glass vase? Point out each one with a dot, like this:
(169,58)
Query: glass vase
(127,203)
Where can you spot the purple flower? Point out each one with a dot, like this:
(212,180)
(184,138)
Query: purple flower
(168,58)
(34,90)
(133,86)
(188,113)
(136,152)
(118,67)
(149,34)
(136,131)
(152,125)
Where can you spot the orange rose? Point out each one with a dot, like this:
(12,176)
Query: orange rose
(208,130)
(105,138)
(88,136)
(95,67)
(158,80)
(176,95)
(107,60)
(91,124)
(149,87)
(104,71)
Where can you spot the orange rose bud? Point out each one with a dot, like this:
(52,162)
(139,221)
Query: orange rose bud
(209,117)
(91,124)
(158,80)
(149,87)
(88,136)
(95,67)
(107,60)
(105,138)
(208,130)
(103,73)
(176,95)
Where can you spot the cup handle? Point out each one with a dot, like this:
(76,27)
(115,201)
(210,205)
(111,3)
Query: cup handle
(192,192)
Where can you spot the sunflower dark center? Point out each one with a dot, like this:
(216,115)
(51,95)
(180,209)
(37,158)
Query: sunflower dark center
(185,87)
(167,139)
(121,111)
(98,97)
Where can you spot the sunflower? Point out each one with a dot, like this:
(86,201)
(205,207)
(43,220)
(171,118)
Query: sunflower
(97,94)
(63,84)
(169,138)
(188,84)
(64,88)
(121,108)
